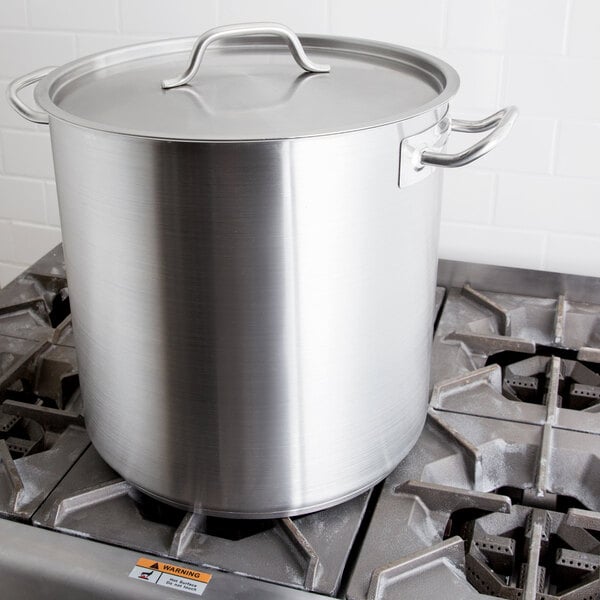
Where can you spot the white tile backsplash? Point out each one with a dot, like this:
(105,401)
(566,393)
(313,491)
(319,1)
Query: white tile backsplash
(308,16)
(554,86)
(34,241)
(491,18)
(13,13)
(584,29)
(536,26)
(572,254)
(7,245)
(403,22)
(553,204)
(91,43)
(468,196)
(528,149)
(27,153)
(534,202)
(480,76)
(578,150)
(51,214)
(9,271)
(581,91)
(492,245)
(86,15)
(22,199)
(177,17)
(25,51)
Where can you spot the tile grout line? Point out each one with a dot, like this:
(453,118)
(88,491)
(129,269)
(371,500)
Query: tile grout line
(589,179)
(27,13)
(544,259)
(512,229)
(57,32)
(45,196)
(503,80)
(445,17)
(566,25)
(13,264)
(494,202)
(554,150)
(21,177)
(119,15)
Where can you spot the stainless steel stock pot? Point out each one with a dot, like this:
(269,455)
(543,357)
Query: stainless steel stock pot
(251,250)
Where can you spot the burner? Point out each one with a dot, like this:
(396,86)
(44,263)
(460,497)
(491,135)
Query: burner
(308,552)
(466,504)
(526,381)
(499,495)
(21,436)
(479,328)
(227,529)
(36,306)
(532,552)
(41,425)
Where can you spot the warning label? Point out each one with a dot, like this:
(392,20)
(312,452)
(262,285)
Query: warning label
(172,576)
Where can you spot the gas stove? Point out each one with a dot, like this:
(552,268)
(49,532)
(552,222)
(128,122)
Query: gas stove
(500,497)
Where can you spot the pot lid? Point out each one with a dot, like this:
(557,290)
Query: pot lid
(247,86)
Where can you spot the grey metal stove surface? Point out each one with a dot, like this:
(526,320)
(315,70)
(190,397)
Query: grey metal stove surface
(500,495)
(41,426)
(499,498)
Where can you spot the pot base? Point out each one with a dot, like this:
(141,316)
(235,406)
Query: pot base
(282,513)
(279,514)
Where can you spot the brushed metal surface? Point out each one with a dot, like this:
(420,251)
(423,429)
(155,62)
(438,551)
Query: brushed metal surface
(253,321)
(249,88)
(38,564)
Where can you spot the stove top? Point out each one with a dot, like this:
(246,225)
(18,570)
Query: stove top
(500,497)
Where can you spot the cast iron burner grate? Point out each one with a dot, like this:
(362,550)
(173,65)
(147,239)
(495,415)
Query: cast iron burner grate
(482,328)
(500,496)
(41,425)
(552,541)
(525,378)
(36,307)
(41,422)
(227,529)
(308,552)
(39,394)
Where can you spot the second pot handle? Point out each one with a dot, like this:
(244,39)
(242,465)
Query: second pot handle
(218,33)
(501,123)
(12,94)
(422,152)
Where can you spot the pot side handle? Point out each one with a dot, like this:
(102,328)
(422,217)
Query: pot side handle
(422,152)
(501,123)
(12,95)
(244,29)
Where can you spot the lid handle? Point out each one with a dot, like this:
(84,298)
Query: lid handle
(219,33)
